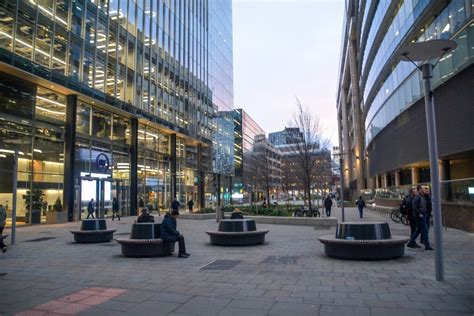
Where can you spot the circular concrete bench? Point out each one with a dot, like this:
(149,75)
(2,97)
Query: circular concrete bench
(93,231)
(237,232)
(145,241)
(364,241)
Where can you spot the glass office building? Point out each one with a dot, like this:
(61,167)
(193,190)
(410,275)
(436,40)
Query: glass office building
(103,99)
(380,99)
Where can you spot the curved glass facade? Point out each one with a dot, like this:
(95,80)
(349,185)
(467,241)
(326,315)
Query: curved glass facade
(404,85)
(406,15)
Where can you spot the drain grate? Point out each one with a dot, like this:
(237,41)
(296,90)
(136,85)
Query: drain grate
(40,239)
(281,259)
(220,265)
(3,274)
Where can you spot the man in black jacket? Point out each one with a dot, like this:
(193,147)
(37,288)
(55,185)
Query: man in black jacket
(328,205)
(169,233)
(406,209)
(420,214)
(145,217)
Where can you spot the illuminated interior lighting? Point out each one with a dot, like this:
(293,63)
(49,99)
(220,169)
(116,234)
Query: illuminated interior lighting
(36,50)
(50,111)
(8,151)
(38,151)
(3,156)
(50,101)
(48,12)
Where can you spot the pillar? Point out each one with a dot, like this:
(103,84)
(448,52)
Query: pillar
(173,165)
(415,175)
(134,168)
(201,196)
(69,156)
(397,178)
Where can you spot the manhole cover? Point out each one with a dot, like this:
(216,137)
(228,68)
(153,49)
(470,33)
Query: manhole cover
(281,259)
(221,265)
(3,274)
(40,239)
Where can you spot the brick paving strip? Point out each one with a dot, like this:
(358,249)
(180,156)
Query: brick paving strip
(75,303)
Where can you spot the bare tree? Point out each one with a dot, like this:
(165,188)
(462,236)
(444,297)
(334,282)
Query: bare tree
(310,167)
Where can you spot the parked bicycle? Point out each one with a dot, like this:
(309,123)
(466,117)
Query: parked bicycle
(398,217)
(304,212)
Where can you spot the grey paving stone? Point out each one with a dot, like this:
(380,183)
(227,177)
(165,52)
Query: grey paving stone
(294,309)
(134,296)
(171,297)
(395,311)
(251,304)
(116,306)
(203,306)
(343,310)
(230,311)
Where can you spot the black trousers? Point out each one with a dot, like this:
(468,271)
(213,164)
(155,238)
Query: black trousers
(90,214)
(181,245)
(115,213)
(2,244)
(412,223)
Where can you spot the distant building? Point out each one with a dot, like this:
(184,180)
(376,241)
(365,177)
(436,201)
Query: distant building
(287,136)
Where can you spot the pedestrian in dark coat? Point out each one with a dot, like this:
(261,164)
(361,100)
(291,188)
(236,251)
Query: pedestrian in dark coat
(420,213)
(175,205)
(90,209)
(236,214)
(115,209)
(3,221)
(360,206)
(169,233)
(190,205)
(406,207)
(328,205)
(145,217)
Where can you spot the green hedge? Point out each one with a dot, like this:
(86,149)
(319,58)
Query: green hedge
(273,210)
(206,210)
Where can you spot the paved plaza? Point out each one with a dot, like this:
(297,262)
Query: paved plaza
(46,273)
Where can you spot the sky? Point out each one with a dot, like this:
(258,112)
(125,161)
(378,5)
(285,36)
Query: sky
(285,49)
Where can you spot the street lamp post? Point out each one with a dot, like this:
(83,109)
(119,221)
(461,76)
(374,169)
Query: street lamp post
(341,166)
(423,52)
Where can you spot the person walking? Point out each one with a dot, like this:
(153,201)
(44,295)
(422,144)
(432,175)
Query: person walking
(90,209)
(115,209)
(429,210)
(190,205)
(175,205)
(170,234)
(360,205)
(328,205)
(406,209)
(420,213)
(3,221)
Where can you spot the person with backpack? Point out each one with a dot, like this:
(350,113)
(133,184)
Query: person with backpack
(406,209)
(360,205)
(3,221)
(328,205)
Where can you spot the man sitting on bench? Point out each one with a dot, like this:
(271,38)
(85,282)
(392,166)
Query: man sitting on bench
(145,217)
(169,233)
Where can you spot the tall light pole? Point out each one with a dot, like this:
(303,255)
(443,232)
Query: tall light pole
(424,52)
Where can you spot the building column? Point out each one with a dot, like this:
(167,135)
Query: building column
(201,196)
(69,156)
(397,178)
(134,168)
(384,180)
(173,166)
(356,117)
(345,148)
(415,175)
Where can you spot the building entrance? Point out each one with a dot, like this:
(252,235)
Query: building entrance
(96,187)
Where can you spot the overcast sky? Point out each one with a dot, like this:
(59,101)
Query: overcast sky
(285,49)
